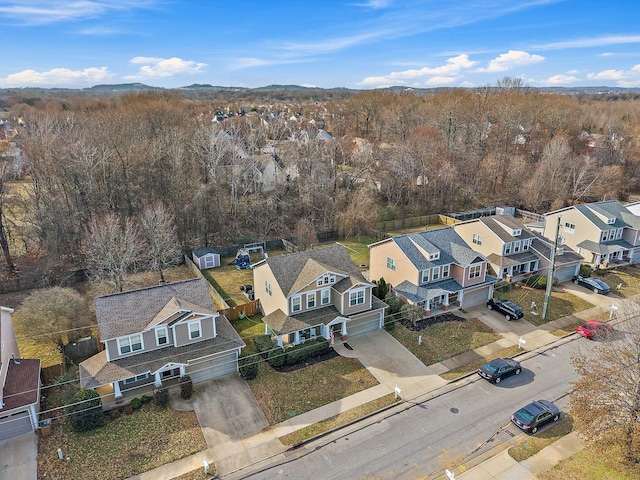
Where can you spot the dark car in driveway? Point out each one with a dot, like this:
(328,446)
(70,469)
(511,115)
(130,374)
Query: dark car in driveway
(535,415)
(510,310)
(592,283)
(500,368)
(593,329)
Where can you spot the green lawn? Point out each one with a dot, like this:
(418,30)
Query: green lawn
(248,328)
(123,447)
(284,395)
(530,445)
(627,279)
(560,305)
(442,340)
(592,463)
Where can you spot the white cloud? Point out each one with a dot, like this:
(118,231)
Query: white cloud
(58,77)
(607,75)
(154,67)
(40,12)
(375,4)
(607,54)
(561,80)
(511,59)
(444,74)
(590,42)
(636,68)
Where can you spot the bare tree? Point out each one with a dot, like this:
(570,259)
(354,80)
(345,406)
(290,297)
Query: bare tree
(111,249)
(305,234)
(606,398)
(60,314)
(5,169)
(158,230)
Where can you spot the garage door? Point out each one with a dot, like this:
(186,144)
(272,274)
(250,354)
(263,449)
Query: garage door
(565,274)
(219,366)
(475,297)
(363,324)
(16,424)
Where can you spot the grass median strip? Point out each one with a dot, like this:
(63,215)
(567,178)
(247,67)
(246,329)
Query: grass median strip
(475,365)
(339,420)
(545,437)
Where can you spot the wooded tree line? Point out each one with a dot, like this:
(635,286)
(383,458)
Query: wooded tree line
(393,155)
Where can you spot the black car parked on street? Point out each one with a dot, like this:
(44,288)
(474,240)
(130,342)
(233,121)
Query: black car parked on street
(533,416)
(497,369)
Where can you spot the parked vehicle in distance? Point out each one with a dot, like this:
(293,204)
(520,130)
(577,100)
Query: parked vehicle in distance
(592,283)
(510,310)
(533,416)
(594,329)
(497,369)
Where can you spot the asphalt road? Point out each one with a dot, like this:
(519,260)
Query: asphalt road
(428,435)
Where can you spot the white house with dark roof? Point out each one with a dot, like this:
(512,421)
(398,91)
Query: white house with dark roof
(315,293)
(19,384)
(434,269)
(606,234)
(159,333)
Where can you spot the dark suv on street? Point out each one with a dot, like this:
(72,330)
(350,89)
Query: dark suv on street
(510,310)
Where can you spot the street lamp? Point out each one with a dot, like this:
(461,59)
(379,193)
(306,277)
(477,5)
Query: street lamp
(612,309)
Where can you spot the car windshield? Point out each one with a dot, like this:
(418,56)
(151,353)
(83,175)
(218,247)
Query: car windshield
(492,367)
(525,415)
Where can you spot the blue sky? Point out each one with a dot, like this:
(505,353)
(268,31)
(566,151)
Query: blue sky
(359,44)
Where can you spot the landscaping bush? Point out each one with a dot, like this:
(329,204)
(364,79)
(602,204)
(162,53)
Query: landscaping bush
(263,344)
(136,403)
(389,323)
(127,409)
(161,396)
(186,387)
(502,286)
(537,281)
(85,410)
(248,367)
(146,399)
(276,357)
(304,351)
(586,270)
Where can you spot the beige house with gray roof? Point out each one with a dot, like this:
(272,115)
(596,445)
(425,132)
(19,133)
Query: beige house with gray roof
(313,294)
(157,334)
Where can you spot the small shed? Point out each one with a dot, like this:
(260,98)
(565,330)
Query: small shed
(206,257)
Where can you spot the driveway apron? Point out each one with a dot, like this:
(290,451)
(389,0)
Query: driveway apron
(19,457)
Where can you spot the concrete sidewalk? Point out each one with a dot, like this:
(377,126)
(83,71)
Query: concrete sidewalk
(393,366)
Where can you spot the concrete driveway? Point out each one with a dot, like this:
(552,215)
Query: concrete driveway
(604,301)
(19,458)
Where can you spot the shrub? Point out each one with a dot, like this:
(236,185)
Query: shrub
(136,403)
(276,357)
(389,323)
(85,410)
(186,387)
(586,270)
(537,281)
(145,399)
(304,351)
(127,409)
(263,344)
(248,367)
(161,397)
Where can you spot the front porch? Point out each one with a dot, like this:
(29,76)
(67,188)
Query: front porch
(110,401)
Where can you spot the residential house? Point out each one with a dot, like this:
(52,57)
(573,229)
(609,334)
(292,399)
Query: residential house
(158,334)
(566,262)
(315,293)
(206,257)
(606,234)
(434,269)
(19,384)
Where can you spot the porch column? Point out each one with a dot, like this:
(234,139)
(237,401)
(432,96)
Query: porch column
(279,341)
(158,380)
(34,416)
(182,371)
(116,390)
(343,330)
(296,338)
(266,329)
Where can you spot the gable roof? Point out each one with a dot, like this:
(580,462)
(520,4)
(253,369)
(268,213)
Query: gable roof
(496,224)
(131,312)
(609,209)
(22,385)
(202,251)
(451,246)
(293,271)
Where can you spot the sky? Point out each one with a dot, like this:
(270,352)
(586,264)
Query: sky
(359,44)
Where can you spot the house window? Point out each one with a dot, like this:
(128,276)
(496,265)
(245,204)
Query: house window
(425,276)
(434,256)
(445,271)
(325,296)
(129,344)
(137,378)
(267,287)
(526,244)
(517,232)
(311,300)
(507,248)
(326,280)
(477,239)
(162,337)
(391,264)
(611,221)
(605,236)
(194,330)
(435,274)
(569,227)
(474,271)
(356,298)
(516,247)
(296,303)
(618,234)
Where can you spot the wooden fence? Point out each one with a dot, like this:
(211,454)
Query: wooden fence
(83,348)
(246,309)
(220,302)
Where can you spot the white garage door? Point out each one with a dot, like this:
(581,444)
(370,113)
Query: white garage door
(363,324)
(475,297)
(565,273)
(219,366)
(16,424)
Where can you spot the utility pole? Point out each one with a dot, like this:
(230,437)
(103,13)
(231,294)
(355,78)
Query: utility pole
(552,267)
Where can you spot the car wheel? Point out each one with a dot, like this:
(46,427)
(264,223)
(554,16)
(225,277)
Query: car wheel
(595,290)
(518,371)
(508,317)
(576,281)
(556,417)
(534,429)
(498,380)
(490,307)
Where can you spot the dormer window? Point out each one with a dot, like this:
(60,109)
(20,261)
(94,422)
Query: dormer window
(517,232)
(434,256)
(611,221)
(326,279)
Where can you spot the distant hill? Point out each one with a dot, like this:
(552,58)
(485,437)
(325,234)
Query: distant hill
(121,87)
